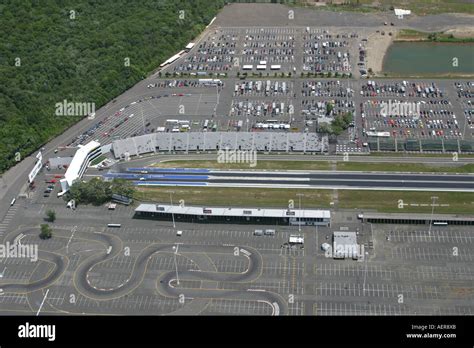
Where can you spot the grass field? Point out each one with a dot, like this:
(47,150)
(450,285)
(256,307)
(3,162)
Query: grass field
(429,155)
(403,167)
(250,197)
(414,35)
(261,165)
(419,7)
(387,201)
(98,160)
(381,201)
(320,165)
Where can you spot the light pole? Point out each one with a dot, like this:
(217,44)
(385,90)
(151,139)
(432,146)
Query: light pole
(175,248)
(172,213)
(366,256)
(433,200)
(299,215)
(143,120)
(217,100)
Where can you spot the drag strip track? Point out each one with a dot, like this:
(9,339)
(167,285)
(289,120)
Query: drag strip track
(298,179)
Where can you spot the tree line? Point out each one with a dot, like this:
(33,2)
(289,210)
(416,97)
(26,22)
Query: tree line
(81,51)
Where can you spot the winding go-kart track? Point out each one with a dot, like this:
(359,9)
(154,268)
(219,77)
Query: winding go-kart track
(167,285)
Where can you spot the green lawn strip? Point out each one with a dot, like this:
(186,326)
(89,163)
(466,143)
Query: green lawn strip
(381,201)
(318,165)
(414,35)
(267,164)
(98,160)
(387,201)
(236,197)
(403,167)
(419,7)
(429,155)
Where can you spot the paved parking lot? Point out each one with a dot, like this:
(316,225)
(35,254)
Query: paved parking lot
(403,261)
(389,114)
(427,114)
(232,51)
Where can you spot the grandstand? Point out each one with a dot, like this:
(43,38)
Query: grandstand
(213,141)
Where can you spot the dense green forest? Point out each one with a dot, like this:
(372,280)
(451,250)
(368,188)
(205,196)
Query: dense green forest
(51,50)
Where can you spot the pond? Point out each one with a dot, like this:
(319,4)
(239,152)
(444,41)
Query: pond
(429,58)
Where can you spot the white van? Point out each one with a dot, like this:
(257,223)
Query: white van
(258,233)
(269,232)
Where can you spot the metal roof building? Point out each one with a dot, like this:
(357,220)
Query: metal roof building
(418,219)
(345,245)
(234,215)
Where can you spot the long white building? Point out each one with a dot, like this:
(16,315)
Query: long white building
(305,217)
(81,160)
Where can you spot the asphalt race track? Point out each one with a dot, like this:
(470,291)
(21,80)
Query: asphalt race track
(165,284)
(328,180)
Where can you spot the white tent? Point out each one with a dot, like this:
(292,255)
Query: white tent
(400,12)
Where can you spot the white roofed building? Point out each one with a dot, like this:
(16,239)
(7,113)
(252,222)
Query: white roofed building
(234,215)
(400,13)
(81,160)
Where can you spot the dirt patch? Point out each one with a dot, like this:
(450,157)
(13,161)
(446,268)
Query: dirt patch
(377,46)
(462,32)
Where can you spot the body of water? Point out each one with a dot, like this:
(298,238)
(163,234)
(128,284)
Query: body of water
(429,58)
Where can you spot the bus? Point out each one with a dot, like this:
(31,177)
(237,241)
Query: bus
(440,223)
(121,199)
(114,225)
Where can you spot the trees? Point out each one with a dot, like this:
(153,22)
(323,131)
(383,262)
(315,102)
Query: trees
(329,108)
(122,187)
(98,192)
(46,232)
(81,59)
(338,125)
(51,215)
